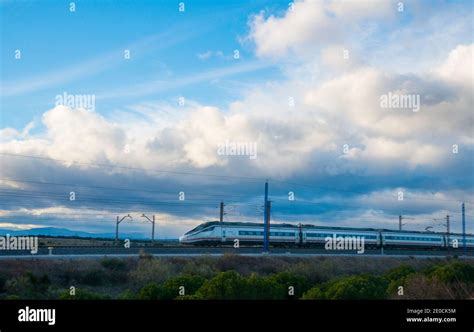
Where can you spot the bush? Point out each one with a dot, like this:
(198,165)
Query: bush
(420,287)
(190,283)
(224,286)
(171,288)
(358,287)
(314,293)
(28,286)
(400,272)
(453,272)
(113,264)
(311,271)
(12,297)
(231,285)
(203,266)
(260,288)
(82,294)
(397,277)
(127,295)
(151,270)
(238,263)
(287,279)
(152,291)
(20,286)
(95,277)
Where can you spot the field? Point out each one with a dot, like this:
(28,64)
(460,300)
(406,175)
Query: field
(237,277)
(57,241)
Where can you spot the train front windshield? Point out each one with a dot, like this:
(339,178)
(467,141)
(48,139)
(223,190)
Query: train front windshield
(197,228)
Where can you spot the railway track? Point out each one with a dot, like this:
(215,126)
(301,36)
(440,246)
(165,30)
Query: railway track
(217,251)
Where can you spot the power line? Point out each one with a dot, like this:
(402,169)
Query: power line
(171,205)
(220,176)
(366,193)
(130,168)
(115,188)
(63,194)
(351,206)
(31,206)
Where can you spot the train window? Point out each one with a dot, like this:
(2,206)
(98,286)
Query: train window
(194,229)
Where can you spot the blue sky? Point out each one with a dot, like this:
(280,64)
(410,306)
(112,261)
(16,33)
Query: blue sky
(82,51)
(305,90)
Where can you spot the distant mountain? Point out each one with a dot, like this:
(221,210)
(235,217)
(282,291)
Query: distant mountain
(53,231)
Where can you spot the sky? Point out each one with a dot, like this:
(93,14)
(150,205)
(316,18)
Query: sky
(360,110)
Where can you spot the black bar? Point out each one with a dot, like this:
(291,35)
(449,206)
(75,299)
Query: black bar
(245,315)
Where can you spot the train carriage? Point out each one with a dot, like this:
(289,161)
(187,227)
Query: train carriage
(247,233)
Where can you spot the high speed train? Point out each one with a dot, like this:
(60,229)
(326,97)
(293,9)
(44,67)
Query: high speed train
(288,235)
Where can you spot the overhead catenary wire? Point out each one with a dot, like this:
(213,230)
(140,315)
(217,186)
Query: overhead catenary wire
(116,188)
(64,194)
(220,176)
(179,204)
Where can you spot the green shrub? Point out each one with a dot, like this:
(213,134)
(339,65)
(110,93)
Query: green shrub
(224,286)
(20,286)
(28,286)
(12,297)
(453,272)
(231,285)
(399,272)
(152,291)
(127,295)
(398,277)
(82,294)
(359,287)
(190,283)
(314,293)
(263,288)
(287,279)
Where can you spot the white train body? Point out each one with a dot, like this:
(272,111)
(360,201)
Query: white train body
(218,233)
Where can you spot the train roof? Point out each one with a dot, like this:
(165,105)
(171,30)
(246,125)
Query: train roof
(286,225)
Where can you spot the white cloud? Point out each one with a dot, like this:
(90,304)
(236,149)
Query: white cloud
(382,153)
(459,67)
(312,25)
(342,110)
(82,135)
